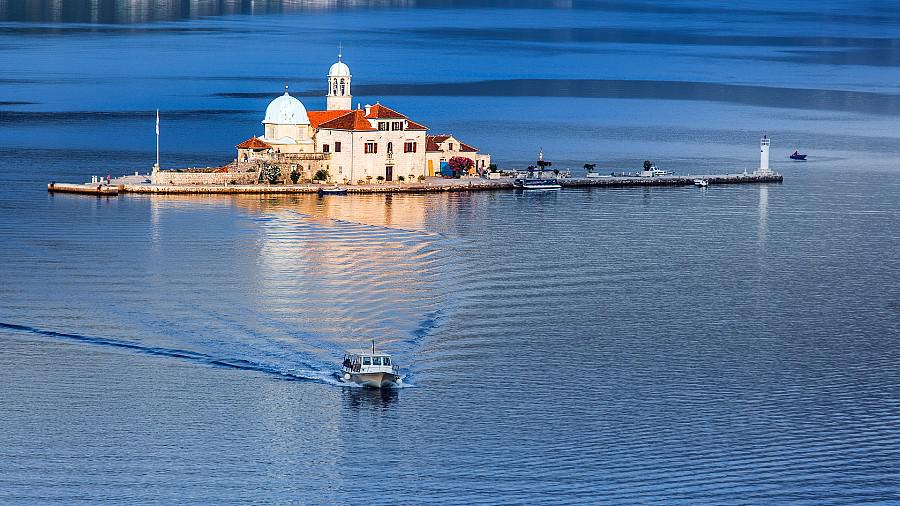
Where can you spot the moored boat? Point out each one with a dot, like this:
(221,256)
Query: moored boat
(701,182)
(370,369)
(534,178)
(334,190)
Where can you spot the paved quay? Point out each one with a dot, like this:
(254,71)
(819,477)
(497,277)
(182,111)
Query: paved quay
(130,184)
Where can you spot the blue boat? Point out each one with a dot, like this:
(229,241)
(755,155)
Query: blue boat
(535,180)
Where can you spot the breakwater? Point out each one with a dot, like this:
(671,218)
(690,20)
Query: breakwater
(432,185)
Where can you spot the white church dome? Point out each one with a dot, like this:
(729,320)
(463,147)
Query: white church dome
(339,69)
(286,110)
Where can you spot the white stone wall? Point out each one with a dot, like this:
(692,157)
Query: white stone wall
(373,164)
(340,164)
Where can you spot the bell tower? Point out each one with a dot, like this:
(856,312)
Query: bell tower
(339,97)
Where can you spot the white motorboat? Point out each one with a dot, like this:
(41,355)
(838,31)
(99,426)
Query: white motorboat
(703,183)
(370,369)
(540,184)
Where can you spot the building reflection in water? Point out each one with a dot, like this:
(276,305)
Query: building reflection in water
(337,271)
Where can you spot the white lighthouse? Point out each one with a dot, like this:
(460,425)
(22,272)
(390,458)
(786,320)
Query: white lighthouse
(764,156)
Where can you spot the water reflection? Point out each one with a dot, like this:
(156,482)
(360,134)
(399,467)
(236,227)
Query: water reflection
(763,227)
(368,398)
(143,11)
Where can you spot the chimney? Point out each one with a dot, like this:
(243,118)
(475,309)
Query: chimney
(368,109)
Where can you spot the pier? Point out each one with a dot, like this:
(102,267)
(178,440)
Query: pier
(98,189)
(430,185)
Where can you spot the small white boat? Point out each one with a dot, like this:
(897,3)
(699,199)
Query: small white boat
(370,369)
(540,184)
(703,183)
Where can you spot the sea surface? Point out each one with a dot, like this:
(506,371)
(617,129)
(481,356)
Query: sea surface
(732,345)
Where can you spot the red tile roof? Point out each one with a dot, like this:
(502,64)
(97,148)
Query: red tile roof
(253,143)
(432,143)
(379,111)
(412,125)
(350,120)
(316,118)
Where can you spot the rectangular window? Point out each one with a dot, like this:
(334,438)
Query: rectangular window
(382,125)
(387,360)
(450,146)
(337,147)
(397,125)
(367,361)
(376,360)
(371,147)
(326,148)
(409,147)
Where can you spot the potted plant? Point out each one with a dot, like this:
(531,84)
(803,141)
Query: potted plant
(401,178)
(380,179)
(421,179)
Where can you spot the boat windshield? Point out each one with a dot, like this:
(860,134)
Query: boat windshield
(387,360)
(376,360)
(367,361)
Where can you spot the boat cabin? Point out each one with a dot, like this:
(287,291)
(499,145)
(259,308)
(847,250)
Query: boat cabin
(367,362)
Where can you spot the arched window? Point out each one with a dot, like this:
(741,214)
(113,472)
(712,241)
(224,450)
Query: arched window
(390,147)
(343,88)
(334,87)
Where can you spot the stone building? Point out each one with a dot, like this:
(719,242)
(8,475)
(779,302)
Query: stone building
(439,149)
(353,145)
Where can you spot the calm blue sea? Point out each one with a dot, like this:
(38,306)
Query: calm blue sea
(734,345)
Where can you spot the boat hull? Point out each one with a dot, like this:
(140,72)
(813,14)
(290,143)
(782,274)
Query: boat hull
(373,379)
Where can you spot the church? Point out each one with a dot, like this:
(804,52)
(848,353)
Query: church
(354,146)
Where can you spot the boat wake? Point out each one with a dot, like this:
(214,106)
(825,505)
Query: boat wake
(313,374)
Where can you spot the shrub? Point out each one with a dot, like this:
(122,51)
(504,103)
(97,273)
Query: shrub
(272,173)
(322,175)
(295,176)
(401,178)
(380,178)
(492,167)
(421,179)
(460,165)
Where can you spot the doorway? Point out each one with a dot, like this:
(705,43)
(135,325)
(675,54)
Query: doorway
(389,173)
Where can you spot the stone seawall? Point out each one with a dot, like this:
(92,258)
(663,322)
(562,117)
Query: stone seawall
(433,185)
(175,178)
(451,185)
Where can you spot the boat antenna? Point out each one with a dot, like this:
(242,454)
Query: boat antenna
(373,346)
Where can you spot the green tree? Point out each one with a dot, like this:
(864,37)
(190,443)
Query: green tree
(322,175)
(295,176)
